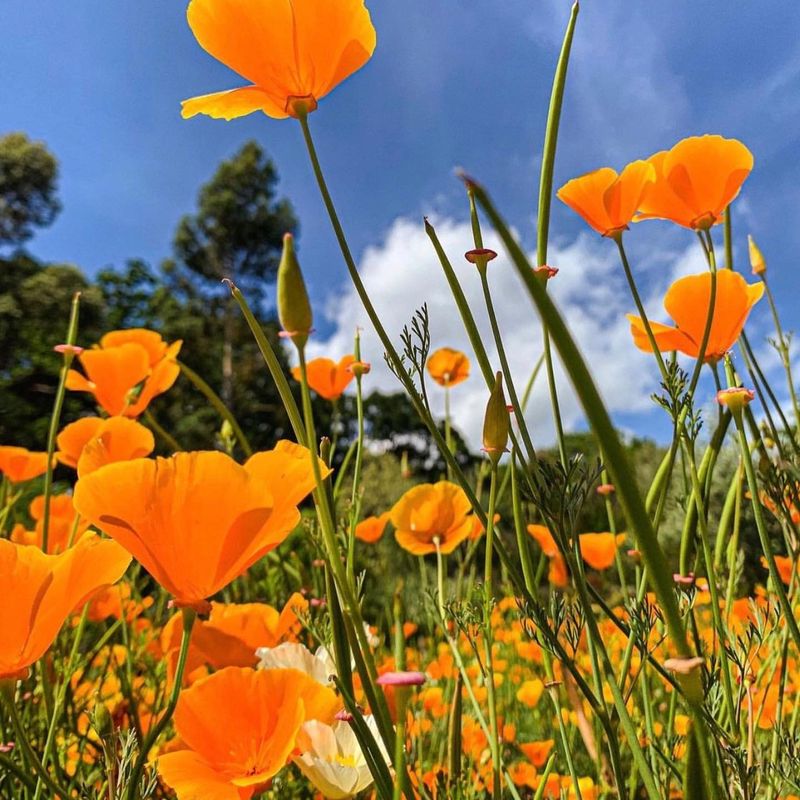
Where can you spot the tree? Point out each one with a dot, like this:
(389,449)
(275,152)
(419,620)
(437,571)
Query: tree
(28,175)
(236,233)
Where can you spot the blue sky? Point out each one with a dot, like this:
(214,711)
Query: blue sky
(452,82)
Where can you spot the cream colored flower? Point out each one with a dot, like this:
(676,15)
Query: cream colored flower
(291,655)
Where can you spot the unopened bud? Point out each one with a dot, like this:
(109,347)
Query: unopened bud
(496,423)
(102,721)
(294,309)
(757,260)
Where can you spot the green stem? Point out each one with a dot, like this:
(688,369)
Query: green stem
(169,439)
(219,406)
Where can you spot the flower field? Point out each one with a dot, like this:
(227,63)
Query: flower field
(315,619)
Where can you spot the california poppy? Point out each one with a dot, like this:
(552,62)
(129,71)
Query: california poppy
(558,568)
(607,201)
(371,529)
(232,634)
(240,729)
(687,302)
(538,752)
(19,464)
(696,180)
(327,378)
(599,549)
(40,591)
(195,521)
(448,367)
(295,51)
(92,442)
(64,524)
(431,513)
(127,370)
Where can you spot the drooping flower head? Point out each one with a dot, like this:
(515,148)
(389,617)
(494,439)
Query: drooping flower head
(448,367)
(289,50)
(240,728)
(196,521)
(696,181)
(687,301)
(127,370)
(431,514)
(40,591)
(327,378)
(608,201)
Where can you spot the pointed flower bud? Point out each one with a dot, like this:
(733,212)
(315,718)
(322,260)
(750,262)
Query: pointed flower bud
(294,309)
(496,423)
(757,260)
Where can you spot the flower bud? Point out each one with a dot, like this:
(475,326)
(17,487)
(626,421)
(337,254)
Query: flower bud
(102,722)
(757,261)
(496,423)
(294,309)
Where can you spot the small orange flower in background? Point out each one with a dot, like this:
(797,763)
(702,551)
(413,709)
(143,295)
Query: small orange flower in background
(64,524)
(371,529)
(127,370)
(784,565)
(432,512)
(608,201)
(599,549)
(40,591)
(196,521)
(240,728)
(529,693)
(93,442)
(327,378)
(558,569)
(232,634)
(19,464)
(448,367)
(687,302)
(478,529)
(696,181)
(297,50)
(538,752)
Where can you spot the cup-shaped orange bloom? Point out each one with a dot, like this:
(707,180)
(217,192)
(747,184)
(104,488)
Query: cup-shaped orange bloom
(371,529)
(232,634)
(696,180)
(687,301)
(92,442)
(196,521)
(608,201)
(64,524)
(448,367)
(40,591)
(432,513)
(289,51)
(327,378)
(19,464)
(240,728)
(127,370)
(599,549)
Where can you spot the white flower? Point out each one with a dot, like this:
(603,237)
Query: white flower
(291,655)
(332,759)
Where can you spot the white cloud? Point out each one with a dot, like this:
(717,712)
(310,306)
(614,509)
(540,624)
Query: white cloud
(402,272)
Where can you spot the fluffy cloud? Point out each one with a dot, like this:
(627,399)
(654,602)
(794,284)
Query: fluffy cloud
(402,272)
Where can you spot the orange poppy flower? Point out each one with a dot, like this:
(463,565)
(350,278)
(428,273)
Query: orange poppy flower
(196,521)
(448,367)
(371,529)
(40,591)
(232,634)
(784,564)
(127,370)
(64,524)
(538,752)
(558,568)
(288,51)
(687,302)
(93,442)
(696,181)
(429,513)
(19,464)
(607,201)
(327,378)
(240,728)
(478,529)
(598,549)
